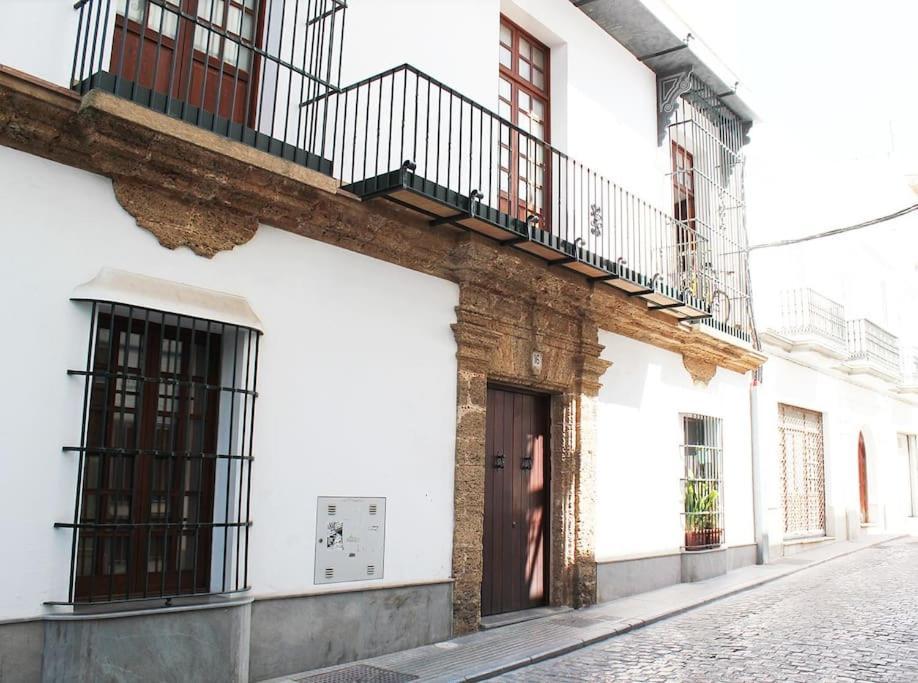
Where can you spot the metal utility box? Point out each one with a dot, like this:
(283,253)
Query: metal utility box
(350,539)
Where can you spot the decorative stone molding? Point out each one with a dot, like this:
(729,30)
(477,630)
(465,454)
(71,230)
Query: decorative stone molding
(702,371)
(204,227)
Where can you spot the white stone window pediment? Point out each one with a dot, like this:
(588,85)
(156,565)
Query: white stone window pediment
(112,285)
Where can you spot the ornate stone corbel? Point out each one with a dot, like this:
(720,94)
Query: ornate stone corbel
(205,227)
(669,89)
(702,371)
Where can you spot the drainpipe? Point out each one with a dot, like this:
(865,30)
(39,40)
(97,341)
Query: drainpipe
(758,498)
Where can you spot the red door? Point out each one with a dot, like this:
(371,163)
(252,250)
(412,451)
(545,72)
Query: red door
(172,54)
(516,519)
(862,477)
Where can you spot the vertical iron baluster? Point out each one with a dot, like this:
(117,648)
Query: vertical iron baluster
(229,440)
(88,378)
(248,495)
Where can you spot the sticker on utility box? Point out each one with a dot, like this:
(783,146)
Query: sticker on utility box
(350,539)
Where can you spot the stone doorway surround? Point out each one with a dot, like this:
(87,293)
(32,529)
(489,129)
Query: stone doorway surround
(500,324)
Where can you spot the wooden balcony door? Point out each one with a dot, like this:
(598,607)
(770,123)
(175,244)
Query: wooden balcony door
(524,101)
(516,519)
(684,213)
(177,48)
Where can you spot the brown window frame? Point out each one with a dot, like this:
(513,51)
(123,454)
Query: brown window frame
(121,463)
(510,200)
(684,209)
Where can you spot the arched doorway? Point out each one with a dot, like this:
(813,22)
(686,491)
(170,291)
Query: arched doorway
(862,476)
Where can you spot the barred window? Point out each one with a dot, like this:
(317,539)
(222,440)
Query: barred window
(163,485)
(702,453)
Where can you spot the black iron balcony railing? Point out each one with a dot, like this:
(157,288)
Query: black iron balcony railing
(239,68)
(869,342)
(412,139)
(806,312)
(266,73)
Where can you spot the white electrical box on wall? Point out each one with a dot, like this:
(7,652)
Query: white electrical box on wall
(350,539)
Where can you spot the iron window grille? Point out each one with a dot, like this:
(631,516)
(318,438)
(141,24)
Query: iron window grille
(702,485)
(800,447)
(163,490)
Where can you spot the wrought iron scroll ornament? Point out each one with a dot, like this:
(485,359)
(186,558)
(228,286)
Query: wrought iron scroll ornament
(526,462)
(669,89)
(595,220)
(498,461)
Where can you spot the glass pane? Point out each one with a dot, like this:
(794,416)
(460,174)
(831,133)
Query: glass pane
(524,101)
(230,52)
(538,57)
(503,109)
(537,130)
(245,59)
(134,9)
(524,121)
(248,27)
(506,37)
(85,556)
(504,181)
(169,25)
(538,79)
(505,157)
(504,89)
(525,47)
(234,20)
(538,110)
(505,57)
(524,69)
(154,559)
(207,41)
(211,11)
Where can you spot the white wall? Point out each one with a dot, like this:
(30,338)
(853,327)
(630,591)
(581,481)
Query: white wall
(357,386)
(639,462)
(847,409)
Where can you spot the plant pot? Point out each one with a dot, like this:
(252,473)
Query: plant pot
(702,539)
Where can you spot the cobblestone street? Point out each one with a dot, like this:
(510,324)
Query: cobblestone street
(852,619)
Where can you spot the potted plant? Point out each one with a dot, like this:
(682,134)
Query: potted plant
(701,530)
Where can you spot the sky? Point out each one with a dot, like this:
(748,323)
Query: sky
(835,86)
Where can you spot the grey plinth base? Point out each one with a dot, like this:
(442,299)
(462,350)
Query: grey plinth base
(630,576)
(308,632)
(209,644)
(699,565)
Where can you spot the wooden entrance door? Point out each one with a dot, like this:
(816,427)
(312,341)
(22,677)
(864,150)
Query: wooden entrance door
(862,477)
(191,60)
(516,502)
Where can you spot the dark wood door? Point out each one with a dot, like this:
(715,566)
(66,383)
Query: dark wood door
(192,60)
(862,477)
(516,502)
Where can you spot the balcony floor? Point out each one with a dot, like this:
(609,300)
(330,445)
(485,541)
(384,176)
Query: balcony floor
(444,206)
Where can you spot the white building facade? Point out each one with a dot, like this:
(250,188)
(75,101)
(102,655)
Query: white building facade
(321,357)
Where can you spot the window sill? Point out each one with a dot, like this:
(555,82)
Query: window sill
(137,608)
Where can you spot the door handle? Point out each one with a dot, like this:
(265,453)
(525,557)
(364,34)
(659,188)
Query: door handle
(526,462)
(498,461)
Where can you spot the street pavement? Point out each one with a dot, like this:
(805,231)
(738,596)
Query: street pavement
(852,619)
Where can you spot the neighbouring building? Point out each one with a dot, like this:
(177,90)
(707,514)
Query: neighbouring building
(837,410)
(336,327)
